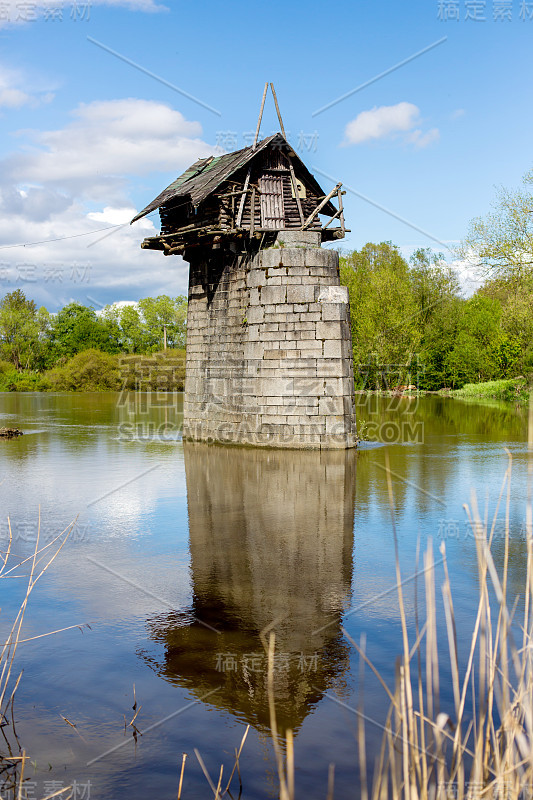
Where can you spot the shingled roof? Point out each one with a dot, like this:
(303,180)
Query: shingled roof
(204,176)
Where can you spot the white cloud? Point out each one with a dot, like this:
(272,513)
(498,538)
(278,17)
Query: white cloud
(388,121)
(16,13)
(470,273)
(420,139)
(79,179)
(102,266)
(106,140)
(14,92)
(113,216)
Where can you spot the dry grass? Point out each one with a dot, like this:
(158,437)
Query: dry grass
(481,752)
(12,757)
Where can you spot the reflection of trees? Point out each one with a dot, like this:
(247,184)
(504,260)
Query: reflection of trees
(271,536)
(431,463)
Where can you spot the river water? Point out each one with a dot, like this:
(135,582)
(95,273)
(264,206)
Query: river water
(182,555)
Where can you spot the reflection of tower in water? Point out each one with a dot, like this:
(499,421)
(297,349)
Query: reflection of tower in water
(271,535)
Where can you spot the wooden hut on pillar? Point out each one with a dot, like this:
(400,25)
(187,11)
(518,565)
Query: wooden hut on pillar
(246,196)
(269,355)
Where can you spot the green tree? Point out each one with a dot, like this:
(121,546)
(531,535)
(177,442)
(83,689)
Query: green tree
(76,328)
(501,243)
(437,294)
(383,313)
(134,336)
(480,343)
(164,314)
(22,330)
(433,282)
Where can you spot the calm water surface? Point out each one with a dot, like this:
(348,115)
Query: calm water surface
(183,553)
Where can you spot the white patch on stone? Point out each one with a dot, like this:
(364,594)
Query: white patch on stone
(333,294)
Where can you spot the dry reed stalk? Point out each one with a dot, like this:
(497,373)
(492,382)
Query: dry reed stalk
(284,779)
(184,758)
(40,556)
(491,754)
(218,794)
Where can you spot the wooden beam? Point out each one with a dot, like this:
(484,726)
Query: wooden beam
(321,205)
(278,111)
(328,223)
(341,210)
(265,90)
(238,221)
(252,212)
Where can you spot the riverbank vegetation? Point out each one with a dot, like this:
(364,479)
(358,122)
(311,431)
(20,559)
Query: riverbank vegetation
(510,391)
(135,347)
(411,322)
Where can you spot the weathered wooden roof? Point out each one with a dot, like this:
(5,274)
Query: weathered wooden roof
(204,176)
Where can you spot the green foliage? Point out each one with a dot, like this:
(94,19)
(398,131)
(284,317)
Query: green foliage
(162,372)
(142,328)
(22,329)
(88,371)
(385,329)
(13,380)
(76,328)
(501,243)
(436,291)
(514,390)
(76,345)
(164,313)
(478,347)
(411,325)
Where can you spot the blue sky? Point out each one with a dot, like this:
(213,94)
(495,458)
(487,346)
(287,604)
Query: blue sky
(88,139)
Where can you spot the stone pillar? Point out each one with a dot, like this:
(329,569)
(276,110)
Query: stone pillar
(269,355)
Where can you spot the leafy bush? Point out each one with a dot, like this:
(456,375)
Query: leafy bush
(5,366)
(89,371)
(11,380)
(163,372)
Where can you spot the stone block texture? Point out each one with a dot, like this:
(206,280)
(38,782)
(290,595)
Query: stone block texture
(269,361)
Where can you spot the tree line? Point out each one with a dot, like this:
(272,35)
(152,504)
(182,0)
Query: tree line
(33,339)
(80,349)
(413,318)
(411,324)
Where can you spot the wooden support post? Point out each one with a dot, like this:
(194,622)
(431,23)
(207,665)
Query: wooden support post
(321,205)
(278,111)
(341,214)
(265,90)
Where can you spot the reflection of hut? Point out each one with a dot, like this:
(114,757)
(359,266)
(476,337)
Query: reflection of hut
(271,542)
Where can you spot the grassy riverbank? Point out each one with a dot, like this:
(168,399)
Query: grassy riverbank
(94,371)
(513,390)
